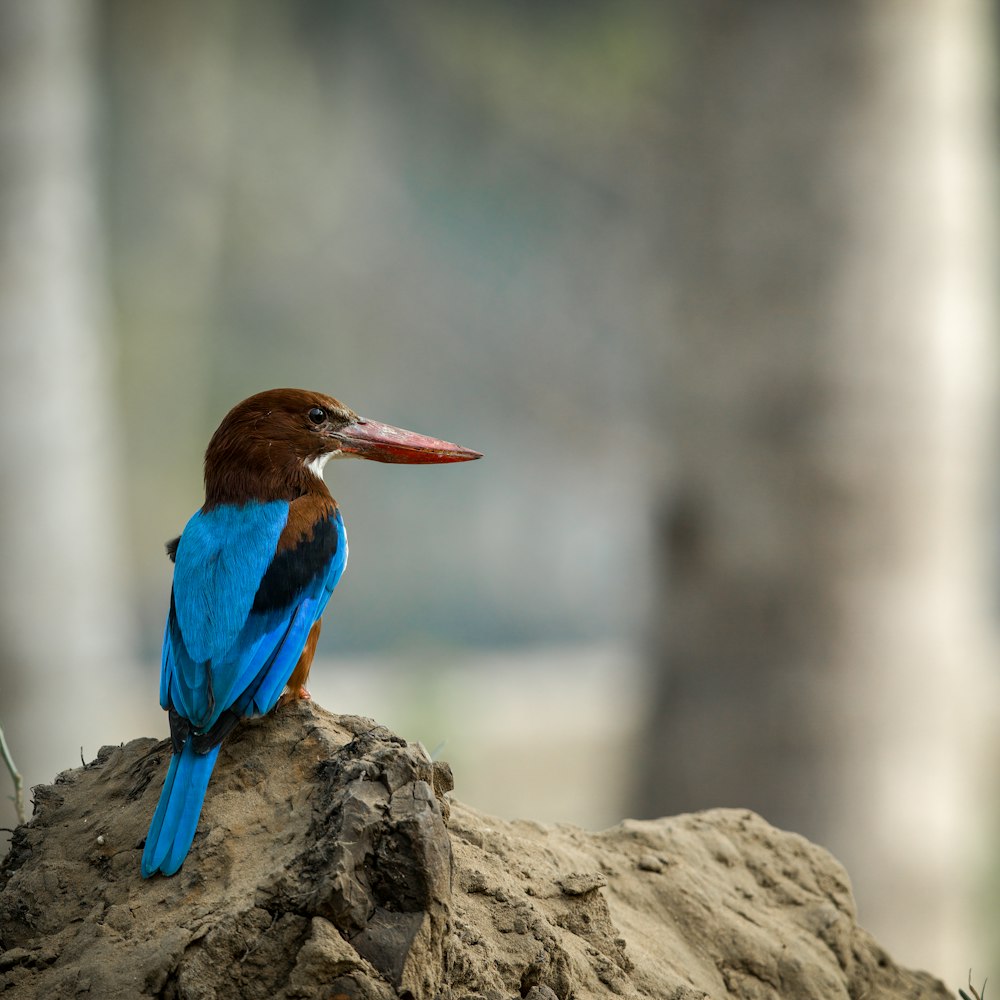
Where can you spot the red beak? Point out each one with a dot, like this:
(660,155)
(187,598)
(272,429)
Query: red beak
(385,443)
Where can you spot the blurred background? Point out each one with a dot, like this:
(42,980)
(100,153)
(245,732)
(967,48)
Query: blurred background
(709,282)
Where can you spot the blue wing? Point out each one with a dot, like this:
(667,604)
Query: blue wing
(241,611)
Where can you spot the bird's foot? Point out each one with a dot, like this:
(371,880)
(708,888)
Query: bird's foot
(302,694)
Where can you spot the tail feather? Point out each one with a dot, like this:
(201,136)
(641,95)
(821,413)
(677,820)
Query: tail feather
(176,817)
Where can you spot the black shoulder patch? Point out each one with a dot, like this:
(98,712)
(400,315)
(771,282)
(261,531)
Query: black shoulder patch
(172,548)
(293,570)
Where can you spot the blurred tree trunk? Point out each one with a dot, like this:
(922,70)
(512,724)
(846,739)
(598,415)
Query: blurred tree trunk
(170,71)
(820,639)
(64,621)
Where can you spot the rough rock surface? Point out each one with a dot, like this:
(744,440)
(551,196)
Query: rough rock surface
(330,863)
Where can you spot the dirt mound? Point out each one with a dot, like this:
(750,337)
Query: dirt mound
(332,864)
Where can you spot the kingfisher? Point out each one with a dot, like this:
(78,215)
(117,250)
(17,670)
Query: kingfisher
(253,571)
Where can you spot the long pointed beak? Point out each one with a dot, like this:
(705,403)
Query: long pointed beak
(385,443)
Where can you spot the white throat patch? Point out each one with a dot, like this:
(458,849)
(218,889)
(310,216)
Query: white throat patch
(318,464)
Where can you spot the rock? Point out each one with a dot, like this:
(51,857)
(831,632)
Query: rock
(330,864)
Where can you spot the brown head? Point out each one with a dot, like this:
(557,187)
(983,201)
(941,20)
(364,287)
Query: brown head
(274,445)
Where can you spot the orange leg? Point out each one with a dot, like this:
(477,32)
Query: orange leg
(297,682)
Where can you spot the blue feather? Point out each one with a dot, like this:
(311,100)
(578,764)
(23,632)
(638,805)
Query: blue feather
(176,817)
(221,558)
(265,697)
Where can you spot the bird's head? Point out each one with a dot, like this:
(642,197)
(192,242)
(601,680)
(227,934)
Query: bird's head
(275,444)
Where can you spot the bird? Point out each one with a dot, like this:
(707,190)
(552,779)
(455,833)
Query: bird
(253,570)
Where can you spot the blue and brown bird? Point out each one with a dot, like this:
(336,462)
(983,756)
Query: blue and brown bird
(253,571)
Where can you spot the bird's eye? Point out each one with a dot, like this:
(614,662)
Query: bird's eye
(317,414)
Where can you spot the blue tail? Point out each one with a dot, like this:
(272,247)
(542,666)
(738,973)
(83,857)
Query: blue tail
(176,817)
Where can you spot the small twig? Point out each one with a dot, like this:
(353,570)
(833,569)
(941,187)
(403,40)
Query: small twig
(16,776)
